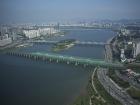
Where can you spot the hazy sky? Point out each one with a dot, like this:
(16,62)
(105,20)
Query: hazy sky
(39,11)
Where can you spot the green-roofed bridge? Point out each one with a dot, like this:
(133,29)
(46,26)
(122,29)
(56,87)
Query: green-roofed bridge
(67,59)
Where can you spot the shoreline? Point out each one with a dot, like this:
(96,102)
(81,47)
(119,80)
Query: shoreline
(85,90)
(107,48)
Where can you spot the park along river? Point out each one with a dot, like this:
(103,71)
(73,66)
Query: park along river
(28,82)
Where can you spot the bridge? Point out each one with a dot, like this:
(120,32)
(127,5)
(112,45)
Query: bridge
(67,59)
(76,42)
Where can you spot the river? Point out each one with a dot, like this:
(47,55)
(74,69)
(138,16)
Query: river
(28,82)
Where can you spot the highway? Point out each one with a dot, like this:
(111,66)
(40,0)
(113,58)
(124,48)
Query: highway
(110,86)
(113,89)
(108,51)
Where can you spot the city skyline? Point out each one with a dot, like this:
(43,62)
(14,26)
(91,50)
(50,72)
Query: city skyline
(70,52)
(39,11)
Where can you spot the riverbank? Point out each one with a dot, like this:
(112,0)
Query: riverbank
(49,75)
(120,83)
(94,97)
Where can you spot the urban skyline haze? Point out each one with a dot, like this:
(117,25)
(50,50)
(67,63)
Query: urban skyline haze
(40,11)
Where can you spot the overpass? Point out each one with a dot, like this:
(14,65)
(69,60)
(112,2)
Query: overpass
(76,43)
(66,59)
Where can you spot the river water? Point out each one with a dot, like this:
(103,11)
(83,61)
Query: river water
(28,82)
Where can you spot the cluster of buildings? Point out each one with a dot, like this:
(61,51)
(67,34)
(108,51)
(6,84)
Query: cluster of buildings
(131,40)
(12,34)
(97,24)
(4,37)
(130,30)
(32,33)
(136,47)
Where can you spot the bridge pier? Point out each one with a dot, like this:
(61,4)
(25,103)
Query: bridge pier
(44,58)
(26,56)
(76,64)
(85,65)
(65,59)
(34,57)
(68,62)
(50,59)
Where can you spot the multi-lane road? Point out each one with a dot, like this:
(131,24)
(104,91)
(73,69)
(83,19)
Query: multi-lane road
(113,89)
(110,86)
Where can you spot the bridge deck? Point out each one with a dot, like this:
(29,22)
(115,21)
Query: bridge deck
(77,42)
(80,59)
(68,59)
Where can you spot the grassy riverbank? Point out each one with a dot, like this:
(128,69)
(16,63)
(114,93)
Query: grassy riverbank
(96,98)
(104,94)
(82,100)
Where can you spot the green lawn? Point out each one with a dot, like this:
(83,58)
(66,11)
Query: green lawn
(84,99)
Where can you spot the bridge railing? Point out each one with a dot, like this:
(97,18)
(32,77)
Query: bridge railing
(77,42)
(64,58)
